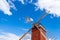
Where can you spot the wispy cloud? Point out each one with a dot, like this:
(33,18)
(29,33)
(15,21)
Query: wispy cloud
(28,19)
(22,1)
(25,1)
(8,36)
(27,37)
(52,5)
(12,4)
(5,6)
(2,20)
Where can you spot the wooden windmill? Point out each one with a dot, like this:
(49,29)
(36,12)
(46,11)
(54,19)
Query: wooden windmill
(38,31)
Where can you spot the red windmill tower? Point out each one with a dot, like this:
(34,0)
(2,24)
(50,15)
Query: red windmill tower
(38,32)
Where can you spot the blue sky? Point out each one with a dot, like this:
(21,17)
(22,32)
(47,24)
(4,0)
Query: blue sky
(17,25)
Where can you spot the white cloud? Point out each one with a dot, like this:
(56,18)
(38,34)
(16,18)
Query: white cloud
(52,5)
(8,36)
(5,7)
(49,39)
(31,19)
(22,1)
(28,19)
(27,37)
(12,4)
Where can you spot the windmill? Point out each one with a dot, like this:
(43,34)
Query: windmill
(37,29)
